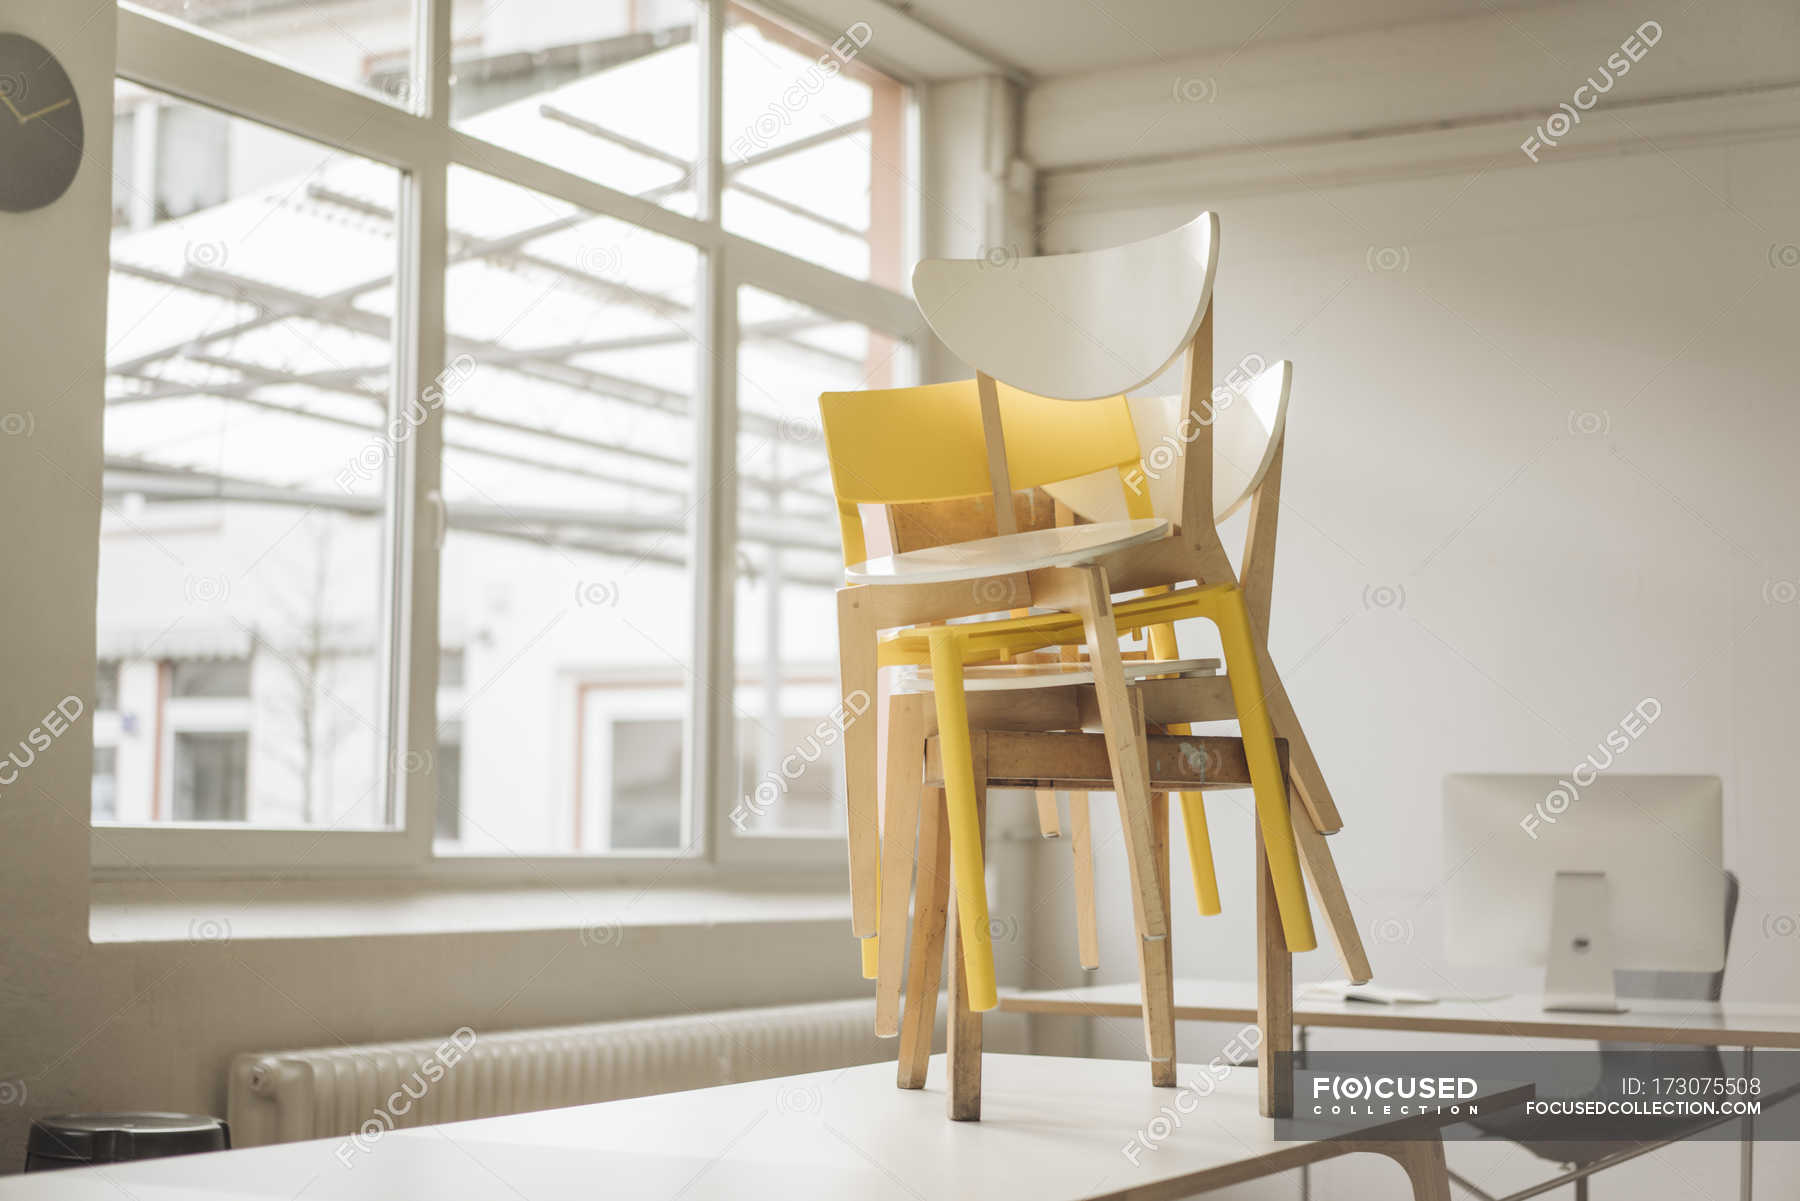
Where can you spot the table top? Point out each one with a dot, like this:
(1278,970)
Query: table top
(1008,554)
(1681,1023)
(1052,1129)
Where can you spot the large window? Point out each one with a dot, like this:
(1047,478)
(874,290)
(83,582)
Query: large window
(464,508)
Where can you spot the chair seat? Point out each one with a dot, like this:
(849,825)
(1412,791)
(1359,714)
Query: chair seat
(1007,677)
(1008,554)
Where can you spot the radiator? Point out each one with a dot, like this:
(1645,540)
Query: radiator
(281,1096)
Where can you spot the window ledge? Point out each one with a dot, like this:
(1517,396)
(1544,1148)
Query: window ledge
(199,911)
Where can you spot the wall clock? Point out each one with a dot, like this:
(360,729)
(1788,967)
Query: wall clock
(40,126)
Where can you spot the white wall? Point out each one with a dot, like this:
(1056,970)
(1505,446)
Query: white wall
(1467,578)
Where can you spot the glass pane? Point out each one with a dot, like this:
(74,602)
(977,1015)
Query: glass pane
(241,611)
(790,558)
(815,148)
(567,584)
(364,44)
(606,89)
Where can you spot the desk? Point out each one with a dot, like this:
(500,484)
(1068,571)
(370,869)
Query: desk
(1676,1023)
(1052,1129)
(1672,1023)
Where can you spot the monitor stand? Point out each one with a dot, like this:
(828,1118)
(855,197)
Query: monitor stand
(1579,975)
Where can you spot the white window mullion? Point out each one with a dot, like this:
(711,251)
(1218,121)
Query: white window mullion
(418,505)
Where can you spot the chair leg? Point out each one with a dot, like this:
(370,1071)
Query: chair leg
(1081,843)
(924,971)
(1199,845)
(1328,887)
(1274,997)
(1308,778)
(1083,591)
(961,794)
(1049,821)
(1267,778)
(962,1060)
(859,675)
(905,755)
(1156,965)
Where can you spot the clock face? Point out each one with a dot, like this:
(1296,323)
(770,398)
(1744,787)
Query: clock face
(40,126)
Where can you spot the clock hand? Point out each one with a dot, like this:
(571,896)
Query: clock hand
(9,104)
(47,109)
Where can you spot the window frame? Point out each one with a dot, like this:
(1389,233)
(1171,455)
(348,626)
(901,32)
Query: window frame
(421,143)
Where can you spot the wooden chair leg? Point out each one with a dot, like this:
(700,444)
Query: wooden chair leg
(962,1063)
(924,970)
(1081,843)
(905,775)
(1157,964)
(1328,887)
(1083,591)
(963,786)
(1049,821)
(1315,794)
(1268,780)
(859,681)
(1274,996)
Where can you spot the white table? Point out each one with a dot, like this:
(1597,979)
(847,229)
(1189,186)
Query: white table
(1052,1129)
(1674,1023)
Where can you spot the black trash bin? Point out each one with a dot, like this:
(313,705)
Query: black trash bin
(76,1140)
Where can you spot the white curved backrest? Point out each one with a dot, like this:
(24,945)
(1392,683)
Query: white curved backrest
(1075,326)
(1247,428)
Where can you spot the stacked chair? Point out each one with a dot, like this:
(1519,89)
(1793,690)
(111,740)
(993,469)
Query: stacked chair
(1027,532)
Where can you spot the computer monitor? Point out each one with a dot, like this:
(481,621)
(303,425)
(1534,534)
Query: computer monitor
(1623,872)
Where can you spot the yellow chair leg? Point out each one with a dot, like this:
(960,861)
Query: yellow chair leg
(1199,846)
(871,956)
(1193,804)
(1272,810)
(966,860)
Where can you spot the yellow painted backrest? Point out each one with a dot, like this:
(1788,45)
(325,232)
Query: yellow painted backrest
(897,446)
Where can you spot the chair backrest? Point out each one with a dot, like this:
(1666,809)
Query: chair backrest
(1250,420)
(905,446)
(1075,326)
